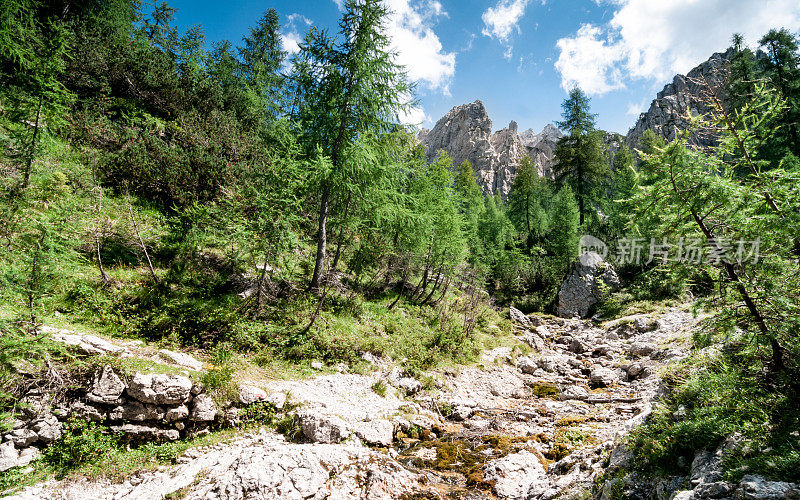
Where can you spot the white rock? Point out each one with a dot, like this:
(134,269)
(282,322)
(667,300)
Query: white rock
(518,476)
(203,408)
(249,394)
(323,428)
(181,359)
(574,392)
(376,432)
(160,388)
(526,365)
(317,365)
(107,387)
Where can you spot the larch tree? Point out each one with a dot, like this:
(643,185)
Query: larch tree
(349,84)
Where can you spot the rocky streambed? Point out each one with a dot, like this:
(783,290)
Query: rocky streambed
(540,419)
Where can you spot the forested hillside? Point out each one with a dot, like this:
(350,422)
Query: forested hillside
(270,213)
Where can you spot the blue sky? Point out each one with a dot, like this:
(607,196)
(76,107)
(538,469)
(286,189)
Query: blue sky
(521,56)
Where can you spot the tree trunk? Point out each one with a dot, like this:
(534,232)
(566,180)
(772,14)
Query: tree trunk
(97,230)
(340,241)
(32,150)
(319,262)
(141,243)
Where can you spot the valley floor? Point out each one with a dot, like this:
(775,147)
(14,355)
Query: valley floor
(545,425)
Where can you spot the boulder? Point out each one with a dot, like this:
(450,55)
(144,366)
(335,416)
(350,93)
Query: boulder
(375,432)
(641,349)
(517,476)
(203,409)
(82,410)
(582,289)
(136,412)
(574,392)
(249,394)
(107,387)
(323,428)
(47,428)
(601,376)
(8,456)
(144,433)
(398,378)
(22,438)
(181,359)
(757,488)
(519,317)
(177,413)
(160,389)
(526,364)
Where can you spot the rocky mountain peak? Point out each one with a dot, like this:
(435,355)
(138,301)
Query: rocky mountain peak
(667,113)
(465,133)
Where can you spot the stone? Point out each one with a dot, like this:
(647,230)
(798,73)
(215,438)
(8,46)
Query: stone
(753,487)
(578,346)
(181,359)
(582,289)
(574,392)
(398,378)
(21,438)
(145,433)
(203,409)
(635,369)
(107,387)
(9,456)
(28,455)
(249,394)
(465,133)
(136,412)
(519,317)
(82,410)
(601,376)
(526,364)
(160,388)
(553,363)
(277,399)
(518,476)
(461,413)
(641,349)
(323,428)
(92,344)
(317,365)
(47,428)
(375,432)
(177,413)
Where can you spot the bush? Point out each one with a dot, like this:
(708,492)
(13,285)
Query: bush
(82,442)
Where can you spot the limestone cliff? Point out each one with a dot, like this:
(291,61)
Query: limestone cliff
(667,113)
(465,133)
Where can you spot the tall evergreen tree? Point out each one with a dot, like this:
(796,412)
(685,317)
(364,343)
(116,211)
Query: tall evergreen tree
(526,202)
(262,58)
(580,155)
(349,85)
(782,67)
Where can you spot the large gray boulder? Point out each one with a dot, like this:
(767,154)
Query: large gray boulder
(107,387)
(160,389)
(517,476)
(582,289)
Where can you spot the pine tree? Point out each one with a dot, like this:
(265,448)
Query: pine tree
(262,58)
(527,200)
(564,227)
(580,156)
(349,85)
(782,67)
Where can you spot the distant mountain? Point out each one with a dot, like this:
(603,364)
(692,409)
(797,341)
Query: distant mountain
(465,133)
(667,113)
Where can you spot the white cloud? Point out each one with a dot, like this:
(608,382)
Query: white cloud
(502,20)
(292,37)
(414,116)
(635,109)
(417,46)
(655,40)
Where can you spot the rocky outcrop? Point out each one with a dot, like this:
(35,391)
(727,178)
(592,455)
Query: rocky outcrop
(668,111)
(590,277)
(465,133)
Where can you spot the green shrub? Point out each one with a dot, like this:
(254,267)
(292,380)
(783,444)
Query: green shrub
(82,442)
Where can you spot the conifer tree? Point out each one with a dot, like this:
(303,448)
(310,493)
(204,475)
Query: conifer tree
(262,58)
(580,156)
(349,85)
